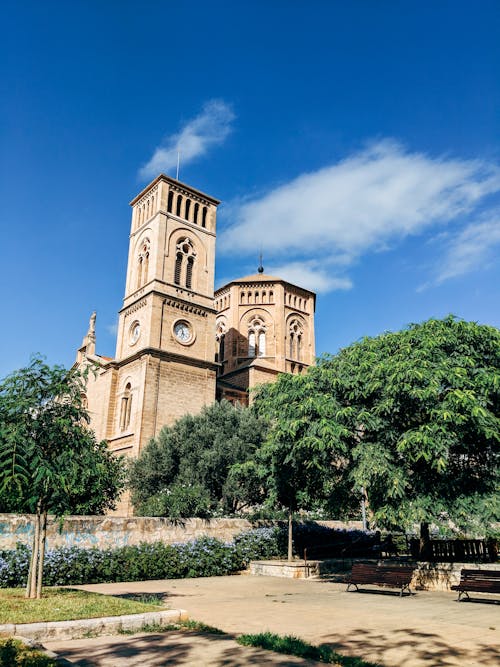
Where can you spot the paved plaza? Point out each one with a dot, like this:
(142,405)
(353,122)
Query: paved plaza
(429,628)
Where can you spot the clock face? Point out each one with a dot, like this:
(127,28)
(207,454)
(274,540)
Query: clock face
(135,332)
(183,332)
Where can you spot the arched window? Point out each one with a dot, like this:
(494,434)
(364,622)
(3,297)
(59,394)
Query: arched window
(178,268)
(170,201)
(179,204)
(189,272)
(262,344)
(204,217)
(126,407)
(188,207)
(143,263)
(184,263)
(295,334)
(220,337)
(195,214)
(251,344)
(257,338)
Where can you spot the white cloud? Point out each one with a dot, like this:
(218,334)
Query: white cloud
(364,203)
(471,249)
(311,276)
(209,128)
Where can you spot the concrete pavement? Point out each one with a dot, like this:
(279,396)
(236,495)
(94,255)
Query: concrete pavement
(427,629)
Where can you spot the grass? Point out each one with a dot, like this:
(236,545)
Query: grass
(65,604)
(188,624)
(14,652)
(290,645)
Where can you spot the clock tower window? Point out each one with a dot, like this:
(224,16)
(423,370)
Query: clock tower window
(184,262)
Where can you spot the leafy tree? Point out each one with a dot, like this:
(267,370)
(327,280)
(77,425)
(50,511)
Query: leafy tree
(414,420)
(297,462)
(50,461)
(186,470)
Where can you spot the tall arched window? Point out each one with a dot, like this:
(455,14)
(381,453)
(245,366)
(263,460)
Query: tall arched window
(126,407)
(220,337)
(189,272)
(251,344)
(170,201)
(257,338)
(179,204)
(195,214)
(143,263)
(185,256)
(204,217)
(295,334)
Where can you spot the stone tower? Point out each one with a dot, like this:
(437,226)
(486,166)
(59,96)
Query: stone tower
(265,326)
(164,363)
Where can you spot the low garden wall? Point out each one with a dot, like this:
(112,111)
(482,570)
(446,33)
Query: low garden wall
(108,532)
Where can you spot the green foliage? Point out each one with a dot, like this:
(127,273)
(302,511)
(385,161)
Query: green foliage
(13,653)
(187,470)
(49,459)
(290,645)
(413,417)
(302,469)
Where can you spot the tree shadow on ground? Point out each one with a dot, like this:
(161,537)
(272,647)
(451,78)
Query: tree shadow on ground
(408,646)
(172,648)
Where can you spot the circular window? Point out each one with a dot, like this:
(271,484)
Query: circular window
(135,332)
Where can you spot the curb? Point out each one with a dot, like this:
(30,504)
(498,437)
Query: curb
(91,626)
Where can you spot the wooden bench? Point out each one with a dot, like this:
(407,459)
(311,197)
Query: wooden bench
(394,576)
(477,581)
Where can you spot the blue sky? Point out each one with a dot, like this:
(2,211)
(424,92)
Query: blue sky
(358,143)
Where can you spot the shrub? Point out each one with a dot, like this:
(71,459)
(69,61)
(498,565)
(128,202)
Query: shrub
(13,652)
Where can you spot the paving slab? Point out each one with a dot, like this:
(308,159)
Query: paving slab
(428,628)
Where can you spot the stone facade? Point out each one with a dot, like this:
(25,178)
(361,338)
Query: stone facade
(265,326)
(165,365)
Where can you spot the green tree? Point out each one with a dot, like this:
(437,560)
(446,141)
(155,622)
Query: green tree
(297,463)
(414,421)
(50,461)
(185,471)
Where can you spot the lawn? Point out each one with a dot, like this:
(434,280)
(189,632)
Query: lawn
(64,604)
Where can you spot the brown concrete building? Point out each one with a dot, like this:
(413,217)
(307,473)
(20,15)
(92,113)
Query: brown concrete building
(165,364)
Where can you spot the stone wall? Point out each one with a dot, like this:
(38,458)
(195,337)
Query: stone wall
(105,532)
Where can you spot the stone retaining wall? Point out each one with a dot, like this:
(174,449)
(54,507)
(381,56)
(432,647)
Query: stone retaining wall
(105,532)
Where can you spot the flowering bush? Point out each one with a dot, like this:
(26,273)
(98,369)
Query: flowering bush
(204,557)
(261,543)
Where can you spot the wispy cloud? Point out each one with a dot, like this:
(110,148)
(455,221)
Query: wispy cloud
(311,275)
(209,128)
(471,249)
(366,202)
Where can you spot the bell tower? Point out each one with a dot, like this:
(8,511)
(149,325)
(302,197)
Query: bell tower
(164,366)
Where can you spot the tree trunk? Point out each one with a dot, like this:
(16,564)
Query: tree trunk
(290,529)
(425,539)
(32,577)
(41,555)
(34,554)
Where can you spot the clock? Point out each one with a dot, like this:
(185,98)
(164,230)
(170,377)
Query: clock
(135,332)
(183,332)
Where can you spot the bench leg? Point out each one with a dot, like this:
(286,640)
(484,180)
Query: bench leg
(351,584)
(460,593)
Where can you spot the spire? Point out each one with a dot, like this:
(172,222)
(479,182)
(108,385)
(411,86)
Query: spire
(261,268)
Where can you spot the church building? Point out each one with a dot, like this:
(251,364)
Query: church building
(179,344)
